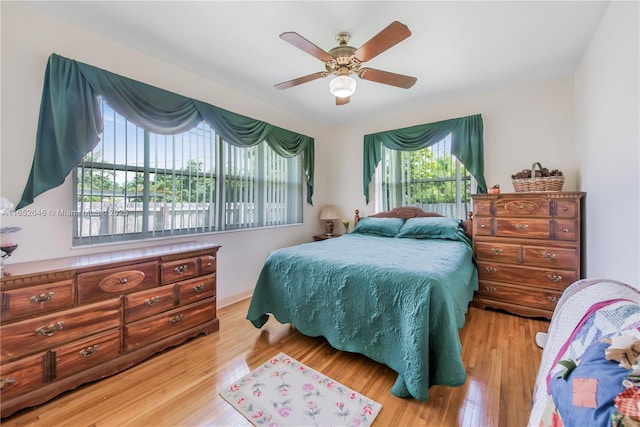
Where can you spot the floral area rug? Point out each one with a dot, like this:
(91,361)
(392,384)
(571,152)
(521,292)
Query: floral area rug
(284,392)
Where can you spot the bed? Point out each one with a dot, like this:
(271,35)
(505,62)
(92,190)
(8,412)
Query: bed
(395,289)
(589,314)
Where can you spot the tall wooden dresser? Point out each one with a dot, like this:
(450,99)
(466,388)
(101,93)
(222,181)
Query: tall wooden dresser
(528,249)
(72,320)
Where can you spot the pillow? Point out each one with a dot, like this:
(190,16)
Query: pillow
(585,398)
(431,228)
(387,227)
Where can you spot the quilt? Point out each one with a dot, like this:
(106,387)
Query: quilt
(398,301)
(589,312)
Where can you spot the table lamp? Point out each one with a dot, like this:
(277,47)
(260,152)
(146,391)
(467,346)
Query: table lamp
(328,214)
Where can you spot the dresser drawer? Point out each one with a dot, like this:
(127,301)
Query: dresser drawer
(522,207)
(498,252)
(52,330)
(84,354)
(523,228)
(104,284)
(197,289)
(482,226)
(538,277)
(566,230)
(207,264)
(521,295)
(550,257)
(21,376)
(36,300)
(146,331)
(482,208)
(147,303)
(178,270)
(566,208)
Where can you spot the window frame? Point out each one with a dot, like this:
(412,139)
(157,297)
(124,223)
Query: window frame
(292,178)
(383,204)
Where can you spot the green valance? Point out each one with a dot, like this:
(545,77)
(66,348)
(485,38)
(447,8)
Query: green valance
(466,145)
(70,122)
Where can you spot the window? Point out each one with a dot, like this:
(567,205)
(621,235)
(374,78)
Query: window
(136,185)
(430,178)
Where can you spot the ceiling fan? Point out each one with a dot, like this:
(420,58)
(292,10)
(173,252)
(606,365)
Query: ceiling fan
(344,60)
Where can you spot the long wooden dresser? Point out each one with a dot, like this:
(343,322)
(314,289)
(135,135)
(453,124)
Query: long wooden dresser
(72,320)
(528,249)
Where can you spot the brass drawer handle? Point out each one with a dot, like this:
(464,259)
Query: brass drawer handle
(5,383)
(483,225)
(122,280)
(521,226)
(176,320)
(554,277)
(209,264)
(496,250)
(88,351)
(50,329)
(552,299)
(181,269)
(520,206)
(39,299)
(491,269)
(198,288)
(152,301)
(565,230)
(490,288)
(565,209)
(548,255)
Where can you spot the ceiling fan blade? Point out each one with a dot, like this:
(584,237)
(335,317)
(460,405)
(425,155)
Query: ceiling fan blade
(387,78)
(390,36)
(300,42)
(342,101)
(300,80)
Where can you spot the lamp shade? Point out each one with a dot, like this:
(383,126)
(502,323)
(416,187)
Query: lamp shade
(329,212)
(342,86)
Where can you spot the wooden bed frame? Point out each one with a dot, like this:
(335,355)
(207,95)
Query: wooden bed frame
(413,212)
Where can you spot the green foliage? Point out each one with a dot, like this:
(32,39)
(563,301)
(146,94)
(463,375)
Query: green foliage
(190,184)
(422,178)
(95,182)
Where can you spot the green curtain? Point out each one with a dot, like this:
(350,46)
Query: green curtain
(466,145)
(70,122)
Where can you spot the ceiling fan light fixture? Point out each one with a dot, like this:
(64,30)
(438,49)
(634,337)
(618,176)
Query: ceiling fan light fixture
(342,86)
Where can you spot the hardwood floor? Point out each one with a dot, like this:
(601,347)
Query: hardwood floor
(179,387)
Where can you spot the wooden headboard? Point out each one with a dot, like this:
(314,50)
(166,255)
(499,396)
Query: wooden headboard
(412,212)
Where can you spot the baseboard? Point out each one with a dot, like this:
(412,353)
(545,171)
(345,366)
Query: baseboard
(234,298)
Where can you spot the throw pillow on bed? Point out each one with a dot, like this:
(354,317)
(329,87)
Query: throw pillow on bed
(431,228)
(387,227)
(585,397)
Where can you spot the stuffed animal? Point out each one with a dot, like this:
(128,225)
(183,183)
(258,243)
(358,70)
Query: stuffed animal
(624,349)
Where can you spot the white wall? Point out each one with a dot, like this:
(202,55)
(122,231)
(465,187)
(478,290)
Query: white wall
(607,144)
(28,38)
(522,124)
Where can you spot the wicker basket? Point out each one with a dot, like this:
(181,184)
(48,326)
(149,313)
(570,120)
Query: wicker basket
(540,183)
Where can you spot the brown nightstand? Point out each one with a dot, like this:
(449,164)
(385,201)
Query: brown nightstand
(318,237)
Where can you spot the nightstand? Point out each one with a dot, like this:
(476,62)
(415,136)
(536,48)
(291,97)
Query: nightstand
(318,237)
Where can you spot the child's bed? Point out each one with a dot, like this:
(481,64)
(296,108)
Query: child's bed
(395,290)
(589,312)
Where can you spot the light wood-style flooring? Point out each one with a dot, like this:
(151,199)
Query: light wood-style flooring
(179,387)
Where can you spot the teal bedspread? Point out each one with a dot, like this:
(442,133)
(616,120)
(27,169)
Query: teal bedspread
(398,301)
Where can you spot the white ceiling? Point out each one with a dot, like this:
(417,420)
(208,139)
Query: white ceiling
(455,48)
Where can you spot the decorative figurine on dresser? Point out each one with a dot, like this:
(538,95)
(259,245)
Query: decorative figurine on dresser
(528,249)
(69,321)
